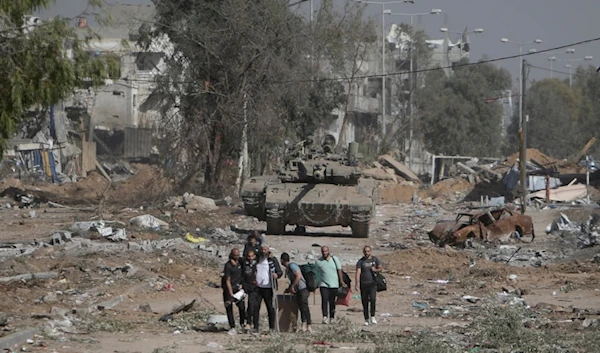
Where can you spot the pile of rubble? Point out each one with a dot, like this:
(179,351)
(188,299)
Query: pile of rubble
(585,234)
(193,203)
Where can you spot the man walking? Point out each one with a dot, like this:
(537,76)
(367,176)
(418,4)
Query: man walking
(365,280)
(232,278)
(331,280)
(299,289)
(253,242)
(249,286)
(267,273)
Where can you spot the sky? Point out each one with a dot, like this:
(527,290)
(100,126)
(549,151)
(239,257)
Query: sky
(556,23)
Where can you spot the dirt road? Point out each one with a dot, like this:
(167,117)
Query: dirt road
(109,298)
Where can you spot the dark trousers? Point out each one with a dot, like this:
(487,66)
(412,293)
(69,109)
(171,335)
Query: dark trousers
(229,308)
(266,295)
(253,308)
(302,299)
(368,294)
(328,297)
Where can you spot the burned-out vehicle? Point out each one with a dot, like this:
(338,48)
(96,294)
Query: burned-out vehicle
(493,225)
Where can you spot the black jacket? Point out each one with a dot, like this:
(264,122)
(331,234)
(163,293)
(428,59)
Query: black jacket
(247,247)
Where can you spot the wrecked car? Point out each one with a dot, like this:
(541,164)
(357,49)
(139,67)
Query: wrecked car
(492,225)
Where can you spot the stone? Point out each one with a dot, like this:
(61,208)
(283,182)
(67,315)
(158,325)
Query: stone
(224,201)
(200,203)
(86,243)
(148,221)
(133,246)
(50,298)
(60,312)
(73,245)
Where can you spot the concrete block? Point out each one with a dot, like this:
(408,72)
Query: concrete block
(9,342)
(133,246)
(73,245)
(86,243)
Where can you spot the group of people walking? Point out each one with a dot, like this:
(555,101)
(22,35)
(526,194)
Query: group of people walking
(254,275)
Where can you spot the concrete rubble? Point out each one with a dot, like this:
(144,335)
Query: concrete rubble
(101,227)
(148,221)
(585,233)
(193,202)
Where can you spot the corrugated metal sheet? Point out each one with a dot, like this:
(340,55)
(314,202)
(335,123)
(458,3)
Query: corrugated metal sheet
(138,142)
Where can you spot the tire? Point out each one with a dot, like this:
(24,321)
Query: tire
(275,222)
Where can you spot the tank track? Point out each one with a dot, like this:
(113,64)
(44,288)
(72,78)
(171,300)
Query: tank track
(360,225)
(275,222)
(253,207)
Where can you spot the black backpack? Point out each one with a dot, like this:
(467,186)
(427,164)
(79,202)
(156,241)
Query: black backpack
(381,281)
(342,292)
(312,276)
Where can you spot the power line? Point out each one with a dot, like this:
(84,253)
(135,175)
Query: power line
(457,65)
(547,69)
(422,70)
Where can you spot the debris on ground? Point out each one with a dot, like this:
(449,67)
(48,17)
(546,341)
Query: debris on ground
(148,221)
(586,233)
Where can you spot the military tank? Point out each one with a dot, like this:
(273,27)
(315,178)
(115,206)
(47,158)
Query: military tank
(313,187)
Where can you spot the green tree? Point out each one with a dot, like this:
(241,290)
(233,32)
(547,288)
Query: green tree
(455,117)
(35,69)
(233,61)
(553,109)
(587,82)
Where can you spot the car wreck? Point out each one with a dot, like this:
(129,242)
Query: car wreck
(495,225)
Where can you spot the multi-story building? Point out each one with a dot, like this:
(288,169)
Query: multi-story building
(364,123)
(123,101)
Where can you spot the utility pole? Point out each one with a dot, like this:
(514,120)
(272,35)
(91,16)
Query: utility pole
(523,140)
(383,78)
(410,97)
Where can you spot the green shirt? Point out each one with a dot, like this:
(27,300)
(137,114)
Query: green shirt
(329,272)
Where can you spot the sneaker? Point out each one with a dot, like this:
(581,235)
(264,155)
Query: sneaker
(366,323)
(325,320)
(309,329)
(232,332)
(373,321)
(247,327)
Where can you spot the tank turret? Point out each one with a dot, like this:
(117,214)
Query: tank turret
(314,186)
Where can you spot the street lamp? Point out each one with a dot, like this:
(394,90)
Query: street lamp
(568,66)
(522,125)
(476,31)
(410,97)
(521,44)
(383,78)
(552,58)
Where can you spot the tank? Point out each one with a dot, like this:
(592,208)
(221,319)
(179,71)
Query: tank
(313,187)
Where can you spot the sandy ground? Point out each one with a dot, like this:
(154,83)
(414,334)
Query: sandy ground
(87,280)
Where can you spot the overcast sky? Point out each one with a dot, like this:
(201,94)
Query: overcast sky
(556,23)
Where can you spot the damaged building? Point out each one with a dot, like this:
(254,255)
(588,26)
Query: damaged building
(116,120)
(364,123)
(122,113)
